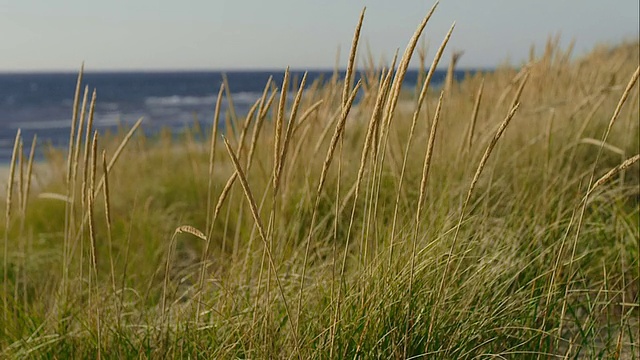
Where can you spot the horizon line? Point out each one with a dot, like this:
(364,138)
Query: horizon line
(213,70)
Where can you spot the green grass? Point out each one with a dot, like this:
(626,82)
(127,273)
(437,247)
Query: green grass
(521,266)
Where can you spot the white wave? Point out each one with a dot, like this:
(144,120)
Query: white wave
(241,98)
(245,97)
(109,106)
(108,119)
(41,125)
(176,100)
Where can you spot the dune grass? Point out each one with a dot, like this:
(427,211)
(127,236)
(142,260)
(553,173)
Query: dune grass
(497,218)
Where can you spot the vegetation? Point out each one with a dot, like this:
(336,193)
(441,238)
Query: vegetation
(495,217)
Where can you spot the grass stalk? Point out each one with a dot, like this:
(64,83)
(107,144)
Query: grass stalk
(5,267)
(421,199)
(261,231)
(414,120)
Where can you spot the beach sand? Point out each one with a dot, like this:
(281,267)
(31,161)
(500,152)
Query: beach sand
(41,174)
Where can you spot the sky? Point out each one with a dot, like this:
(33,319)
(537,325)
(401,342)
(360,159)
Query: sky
(47,35)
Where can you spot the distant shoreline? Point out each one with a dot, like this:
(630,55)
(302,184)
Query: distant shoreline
(210,71)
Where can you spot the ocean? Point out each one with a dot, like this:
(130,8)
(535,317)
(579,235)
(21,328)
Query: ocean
(42,103)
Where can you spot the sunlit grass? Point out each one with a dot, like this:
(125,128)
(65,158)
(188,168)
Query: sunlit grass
(338,230)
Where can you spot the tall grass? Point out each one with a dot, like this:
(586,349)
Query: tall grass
(496,218)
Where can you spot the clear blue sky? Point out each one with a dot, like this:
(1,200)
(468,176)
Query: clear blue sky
(238,34)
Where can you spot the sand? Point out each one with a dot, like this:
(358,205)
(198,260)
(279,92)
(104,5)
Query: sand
(41,173)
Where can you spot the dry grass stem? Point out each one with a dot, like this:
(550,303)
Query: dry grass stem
(474,116)
(474,181)
(188,229)
(107,215)
(77,146)
(212,153)
(27,187)
(614,117)
(118,152)
(414,120)
(21,177)
(261,231)
(423,191)
(90,201)
(74,119)
(230,106)
(290,126)
(87,138)
(12,169)
(348,77)
(613,172)
(371,129)
(403,66)
(278,128)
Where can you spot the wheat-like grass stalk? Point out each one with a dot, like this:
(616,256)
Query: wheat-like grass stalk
(212,153)
(278,129)
(348,76)
(307,114)
(623,99)
(325,132)
(327,162)
(449,79)
(614,117)
(20,176)
(27,185)
(96,189)
(77,144)
(262,114)
(93,267)
(117,153)
(232,118)
(279,159)
(107,216)
(507,90)
(423,189)
(613,172)
(256,216)
(90,200)
(263,98)
(209,221)
(25,189)
(371,128)
(72,191)
(337,134)
(188,229)
(474,181)
(246,125)
(372,189)
(402,70)
(391,104)
(243,134)
(74,149)
(414,120)
(93,273)
(92,106)
(290,127)
(474,117)
(5,268)
(227,188)
(74,118)
(76,126)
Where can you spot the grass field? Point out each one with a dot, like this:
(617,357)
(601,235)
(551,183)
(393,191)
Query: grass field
(496,217)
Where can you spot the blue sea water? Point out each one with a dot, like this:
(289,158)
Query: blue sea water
(42,103)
